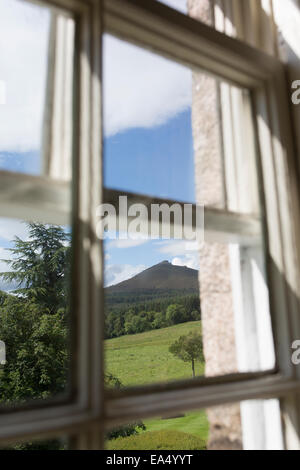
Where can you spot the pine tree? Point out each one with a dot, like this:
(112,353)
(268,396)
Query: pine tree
(40,266)
(33,321)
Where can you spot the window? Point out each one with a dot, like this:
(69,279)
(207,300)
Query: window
(89,410)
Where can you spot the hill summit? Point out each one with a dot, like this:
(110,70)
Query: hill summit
(162,276)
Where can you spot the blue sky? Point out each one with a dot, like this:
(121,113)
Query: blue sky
(24,162)
(147,125)
(157,162)
(148,146)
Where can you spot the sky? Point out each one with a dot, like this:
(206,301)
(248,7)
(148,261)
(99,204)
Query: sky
(148,145)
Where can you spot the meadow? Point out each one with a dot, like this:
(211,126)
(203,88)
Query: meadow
(143,359)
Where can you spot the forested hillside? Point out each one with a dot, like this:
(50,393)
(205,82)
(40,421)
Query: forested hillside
(160,296)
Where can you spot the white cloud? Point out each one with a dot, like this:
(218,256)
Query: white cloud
(23,45)
(141,89)
(10,228)
(183,253)
(115,273)
(190,261)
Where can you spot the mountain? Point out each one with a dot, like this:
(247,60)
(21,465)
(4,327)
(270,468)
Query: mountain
(140,303)
(161,277)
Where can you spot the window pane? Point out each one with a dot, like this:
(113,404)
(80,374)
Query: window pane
(148,145)
(36,74)
(186,431)
(165,296)
(249,425)
(149,312)
(34,311)
(166,137)
(176,133)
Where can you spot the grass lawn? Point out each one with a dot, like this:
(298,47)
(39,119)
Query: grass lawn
(144,358)
(192,423)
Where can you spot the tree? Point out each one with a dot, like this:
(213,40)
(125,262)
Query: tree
(36,351)
(175,314)
(188,348)
(195,315)
(159,321)
(137,324)
(34,321)
(40,266)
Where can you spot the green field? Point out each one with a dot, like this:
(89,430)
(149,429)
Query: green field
(192,423)
(143,359)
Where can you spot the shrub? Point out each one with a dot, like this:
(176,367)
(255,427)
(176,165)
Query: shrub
(158,440)
(112,382)
(126,430)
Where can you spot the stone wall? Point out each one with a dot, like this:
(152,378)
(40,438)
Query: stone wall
(214,277)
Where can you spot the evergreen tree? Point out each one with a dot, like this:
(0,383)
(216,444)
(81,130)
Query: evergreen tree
(34,320)
(39,266)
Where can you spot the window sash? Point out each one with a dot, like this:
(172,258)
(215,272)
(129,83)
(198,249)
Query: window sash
(169,399)
(85,406)
(44,200)
(152,25)
(220,226)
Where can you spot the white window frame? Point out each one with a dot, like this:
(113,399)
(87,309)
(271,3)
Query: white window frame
(90,411)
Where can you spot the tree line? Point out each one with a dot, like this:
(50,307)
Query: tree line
(151,315)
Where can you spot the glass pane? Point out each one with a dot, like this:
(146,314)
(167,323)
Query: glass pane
(154,315)
(249,425)
(165,135)
(152,299)
(154,284)
(35,87)
(148,145)
(186,431)
(34,311)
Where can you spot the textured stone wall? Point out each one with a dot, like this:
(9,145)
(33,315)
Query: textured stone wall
(215,288)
